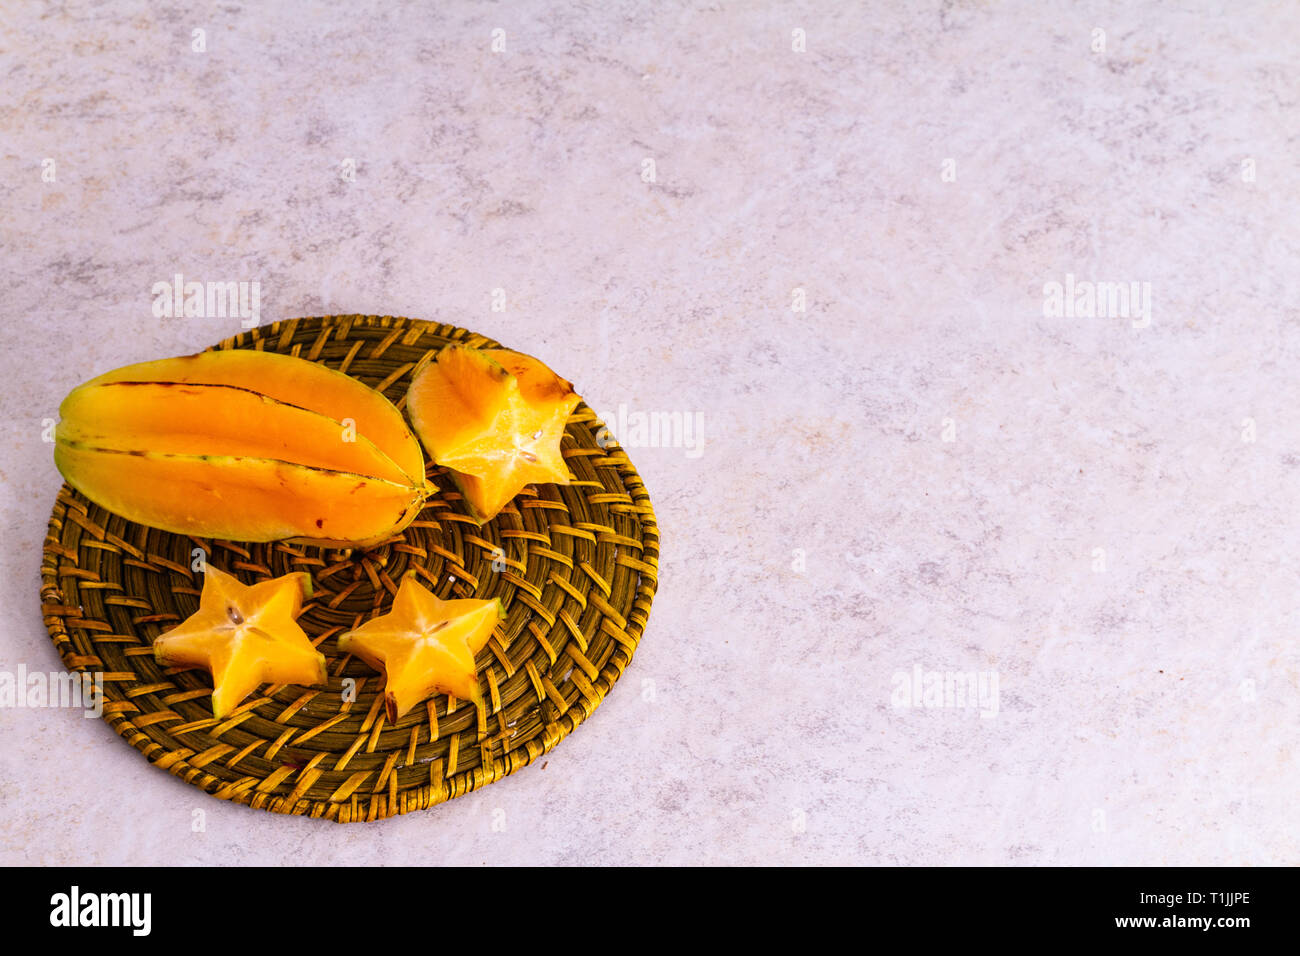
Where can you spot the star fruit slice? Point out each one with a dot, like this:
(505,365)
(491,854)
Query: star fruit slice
(424,645)
(246,636)
(495,418)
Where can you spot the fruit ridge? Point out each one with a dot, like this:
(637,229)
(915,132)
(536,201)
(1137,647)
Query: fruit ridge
(243,445)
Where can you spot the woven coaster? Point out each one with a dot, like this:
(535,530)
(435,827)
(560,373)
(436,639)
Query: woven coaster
(576,567)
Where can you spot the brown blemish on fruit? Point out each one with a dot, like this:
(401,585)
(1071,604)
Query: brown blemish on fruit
(320,522)
(198,387)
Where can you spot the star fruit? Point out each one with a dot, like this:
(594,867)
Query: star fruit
(495,418)
(424,645)
(246,636)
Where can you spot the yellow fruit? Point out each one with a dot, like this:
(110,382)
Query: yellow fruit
(424,645)
(243,445)
(495,418)
(246,635)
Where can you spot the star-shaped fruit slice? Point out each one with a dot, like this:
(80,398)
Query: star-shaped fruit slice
(424,645)
(495,418)
(246,636)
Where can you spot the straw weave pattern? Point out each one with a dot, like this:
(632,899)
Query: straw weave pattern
(575,566)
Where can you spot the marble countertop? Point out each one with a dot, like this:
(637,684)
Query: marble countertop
(856,249)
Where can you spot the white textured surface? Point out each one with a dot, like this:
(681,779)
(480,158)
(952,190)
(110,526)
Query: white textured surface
(1124,691)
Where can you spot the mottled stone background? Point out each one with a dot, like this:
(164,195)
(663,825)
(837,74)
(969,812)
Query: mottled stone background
(1147,708)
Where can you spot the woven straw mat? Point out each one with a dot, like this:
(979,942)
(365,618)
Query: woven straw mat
(575,566)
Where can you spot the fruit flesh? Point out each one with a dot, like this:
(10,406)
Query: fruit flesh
(245,635)
(537,382)
(495,418)
(424,645)
(455,401)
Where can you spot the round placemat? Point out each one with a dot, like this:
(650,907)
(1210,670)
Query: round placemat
(575,565)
